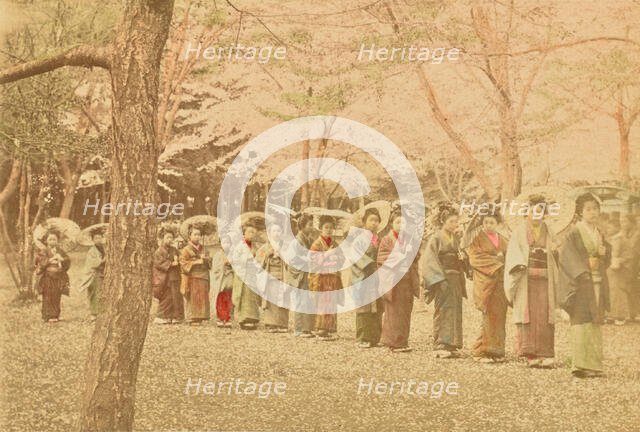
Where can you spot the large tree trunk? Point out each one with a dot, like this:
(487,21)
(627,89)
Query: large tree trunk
(511,164)
(624,128)
(118,338)
(70,176)
(496,68)
(625,156)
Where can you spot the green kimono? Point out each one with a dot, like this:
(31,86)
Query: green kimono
(584,293)
(245,301)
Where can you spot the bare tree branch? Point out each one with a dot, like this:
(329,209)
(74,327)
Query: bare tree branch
(12,183)
(84,56)
(459,142)
(542,49)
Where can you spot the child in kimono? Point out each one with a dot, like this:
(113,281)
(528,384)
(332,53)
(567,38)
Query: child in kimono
(584,294)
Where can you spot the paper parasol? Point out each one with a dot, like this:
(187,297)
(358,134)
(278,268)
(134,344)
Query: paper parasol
(552,194)
(205,223)
(67,230)
(383,207)
(84,238)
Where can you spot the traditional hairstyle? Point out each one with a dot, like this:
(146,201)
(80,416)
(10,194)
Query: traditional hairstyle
(327,219)
(369,212)
(247,225)
(583,199)
(48,233)
(444,212)
(164,230)
(97,231)
(192,227)
(535,199)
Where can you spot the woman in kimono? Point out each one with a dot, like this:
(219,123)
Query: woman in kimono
(195,263)
(530,287)
(94,272)
(629,228)
(276,318)
(398,301)
(486,257)
(368,317)
(245,301)
(303,323)
(619,274)
(224,285)
(584,294)
(445,284)
(326,324)
(52,264)
(166,281)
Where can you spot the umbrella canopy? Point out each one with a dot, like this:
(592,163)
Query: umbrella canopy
(552,194)
(383,207)
(66,229)
(84,238)
(205,223)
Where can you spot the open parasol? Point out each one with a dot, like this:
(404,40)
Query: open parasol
(84,238)
(383,207)
(552,194)
(205,223)
(67,230)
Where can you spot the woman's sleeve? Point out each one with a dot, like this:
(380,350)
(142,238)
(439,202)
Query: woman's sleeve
(66,261)
(433,271)
(187,260)
(40,262)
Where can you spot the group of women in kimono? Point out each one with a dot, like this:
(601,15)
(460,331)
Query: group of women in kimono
(528,272)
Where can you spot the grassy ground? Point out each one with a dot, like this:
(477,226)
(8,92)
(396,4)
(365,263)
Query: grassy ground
(42,372)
